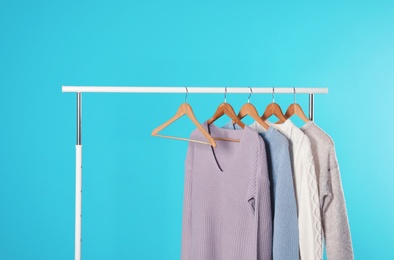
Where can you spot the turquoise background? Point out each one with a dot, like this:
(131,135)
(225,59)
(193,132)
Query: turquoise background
(133,183)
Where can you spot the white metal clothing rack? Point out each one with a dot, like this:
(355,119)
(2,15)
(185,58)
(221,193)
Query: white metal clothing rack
(140,89)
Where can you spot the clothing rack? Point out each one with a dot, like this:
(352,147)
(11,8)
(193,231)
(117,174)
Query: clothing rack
(141,89)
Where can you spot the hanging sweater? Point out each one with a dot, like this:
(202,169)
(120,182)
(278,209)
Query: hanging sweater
(227,207)
(332,202)
(306,190)
(283,203)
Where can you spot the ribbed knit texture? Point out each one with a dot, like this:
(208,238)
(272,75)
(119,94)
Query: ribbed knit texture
(227,209)
(283,203)
(332,201)
(306,190)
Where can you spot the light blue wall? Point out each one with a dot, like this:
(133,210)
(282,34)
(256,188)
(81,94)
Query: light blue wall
(133,183)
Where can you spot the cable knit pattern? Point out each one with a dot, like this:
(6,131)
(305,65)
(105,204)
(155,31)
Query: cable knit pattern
(316,212)
(332,201)
(283,202)
(306,190)
(227,206)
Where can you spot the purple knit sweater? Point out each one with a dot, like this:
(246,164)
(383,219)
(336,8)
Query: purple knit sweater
(227,207)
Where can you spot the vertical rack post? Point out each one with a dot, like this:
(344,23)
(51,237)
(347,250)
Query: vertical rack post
(78,180)
(311,107)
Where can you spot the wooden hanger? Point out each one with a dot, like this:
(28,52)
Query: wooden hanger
(185,109)
(295,109)
(225,109)
(273,109)
(249,109)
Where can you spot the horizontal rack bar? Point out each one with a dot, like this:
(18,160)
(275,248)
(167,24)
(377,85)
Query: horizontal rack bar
(206,90)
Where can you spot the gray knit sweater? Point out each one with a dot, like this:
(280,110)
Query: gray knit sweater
(332,202)
(227,207)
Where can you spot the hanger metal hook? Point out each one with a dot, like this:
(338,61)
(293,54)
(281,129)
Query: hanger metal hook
(273,95)
(294,92)
(187,93)
(225,94)
(251,91)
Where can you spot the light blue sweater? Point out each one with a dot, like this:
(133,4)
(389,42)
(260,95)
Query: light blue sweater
(284,208)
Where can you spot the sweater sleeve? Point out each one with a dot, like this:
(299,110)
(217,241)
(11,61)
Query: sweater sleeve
(334,214)
(263,208)
(187,206)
